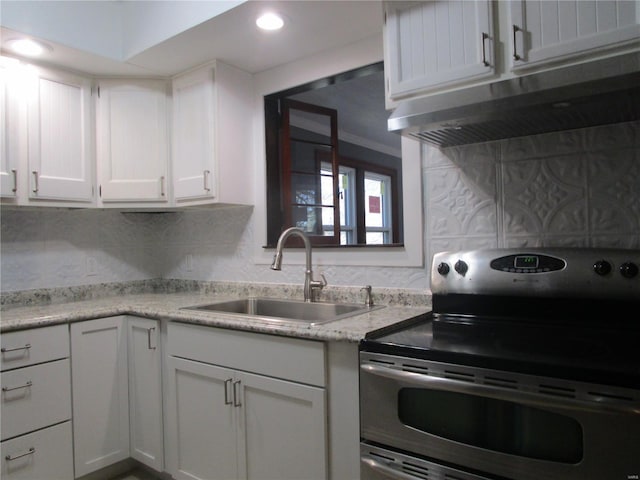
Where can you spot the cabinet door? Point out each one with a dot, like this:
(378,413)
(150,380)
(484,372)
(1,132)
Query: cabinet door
(557,30)
(145,391)
(282,429)
(100,393)
(437,44)
(132,141)
(59,131)
(9,137)
(193,135)
(41,455)
(201,441)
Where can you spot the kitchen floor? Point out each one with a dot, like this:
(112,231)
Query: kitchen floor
(137,474)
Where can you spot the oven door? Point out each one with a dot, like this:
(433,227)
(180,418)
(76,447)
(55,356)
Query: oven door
(519,426)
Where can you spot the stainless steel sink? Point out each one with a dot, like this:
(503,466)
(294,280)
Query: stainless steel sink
(282,310)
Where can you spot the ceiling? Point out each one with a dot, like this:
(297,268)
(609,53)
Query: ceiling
(312,26)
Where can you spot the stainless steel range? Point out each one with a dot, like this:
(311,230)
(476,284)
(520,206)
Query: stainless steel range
(527,369)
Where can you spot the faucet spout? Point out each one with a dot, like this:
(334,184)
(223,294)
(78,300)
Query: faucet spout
(309,283)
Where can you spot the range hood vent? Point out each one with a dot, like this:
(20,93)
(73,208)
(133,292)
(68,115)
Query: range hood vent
(595,93)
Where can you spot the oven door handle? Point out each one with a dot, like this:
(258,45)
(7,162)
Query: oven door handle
(510,395)
(388,472)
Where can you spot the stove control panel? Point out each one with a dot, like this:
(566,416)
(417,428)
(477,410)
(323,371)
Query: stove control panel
(574,272)
(527,263)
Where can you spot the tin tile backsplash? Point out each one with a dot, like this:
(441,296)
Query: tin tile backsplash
(576,188)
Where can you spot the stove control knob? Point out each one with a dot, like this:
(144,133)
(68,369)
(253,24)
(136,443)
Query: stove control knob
(461,267)
(602,267)
(629,269)
(443,268)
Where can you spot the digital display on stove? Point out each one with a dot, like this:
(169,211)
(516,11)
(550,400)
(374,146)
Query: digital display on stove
(526,261)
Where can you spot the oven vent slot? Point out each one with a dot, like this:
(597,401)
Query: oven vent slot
(460,375)
(501,382)
(416,470)
(557,391)
(408,367)
(382,362)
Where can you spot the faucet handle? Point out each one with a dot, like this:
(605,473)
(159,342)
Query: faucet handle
(319,284)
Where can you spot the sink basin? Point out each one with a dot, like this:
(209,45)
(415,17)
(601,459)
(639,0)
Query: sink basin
(282,310)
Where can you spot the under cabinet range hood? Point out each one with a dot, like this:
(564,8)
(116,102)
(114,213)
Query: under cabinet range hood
(595,93)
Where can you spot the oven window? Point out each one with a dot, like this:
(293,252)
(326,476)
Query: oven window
(496,425)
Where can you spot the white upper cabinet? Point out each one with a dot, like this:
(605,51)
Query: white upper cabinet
(132,141)
(47,149)
(59,129)
(194,126)
(433,44)
(8,124)
(211,155)
(548,31)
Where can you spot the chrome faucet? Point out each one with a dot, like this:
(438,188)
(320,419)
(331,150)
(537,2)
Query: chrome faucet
(310,285)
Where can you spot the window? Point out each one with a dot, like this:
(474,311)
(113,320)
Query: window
(342,186)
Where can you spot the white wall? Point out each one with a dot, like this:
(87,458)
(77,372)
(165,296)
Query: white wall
(578,188)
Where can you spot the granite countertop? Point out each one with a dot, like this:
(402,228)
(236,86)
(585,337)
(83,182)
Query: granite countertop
(167,306)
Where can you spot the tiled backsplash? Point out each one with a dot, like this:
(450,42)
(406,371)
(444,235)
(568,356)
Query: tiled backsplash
(577,188)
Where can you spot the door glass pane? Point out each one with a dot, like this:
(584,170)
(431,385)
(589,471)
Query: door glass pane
(306,157)
(309,219)
(491,424)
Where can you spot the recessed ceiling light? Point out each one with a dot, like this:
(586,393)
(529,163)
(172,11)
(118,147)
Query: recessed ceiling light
(270,21)
(28,47)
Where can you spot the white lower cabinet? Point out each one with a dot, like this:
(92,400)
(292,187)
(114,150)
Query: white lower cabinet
(117,392)
(100,393)
(35,407)
(145,392)
(41,455)
(224,423)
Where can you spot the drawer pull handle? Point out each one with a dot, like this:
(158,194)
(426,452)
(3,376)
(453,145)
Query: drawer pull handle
(10,389)
(227,383)
(485,36)
(31,451)
(206,181)
(236,394)
(15,349)
(516,29)
(36,187)
(151,344)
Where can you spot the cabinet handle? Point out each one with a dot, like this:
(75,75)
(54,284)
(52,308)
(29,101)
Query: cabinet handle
(162,186)
(31,451)
(11,389)
(149,344)
(227,384)
(15,180)
(15,349)
(485,36)
(206,181)
(516,29)
(35,181)
(236,394)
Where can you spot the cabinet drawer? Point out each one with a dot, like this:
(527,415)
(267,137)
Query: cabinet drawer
(35,345)
(35,397)
(281,357)
(43,454)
